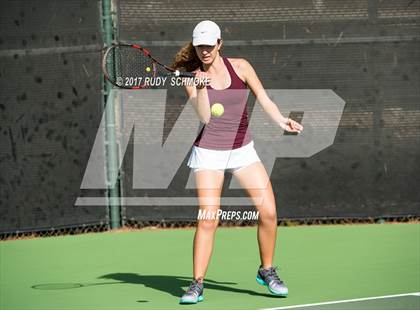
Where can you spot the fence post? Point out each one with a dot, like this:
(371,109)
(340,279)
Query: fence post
(111,147)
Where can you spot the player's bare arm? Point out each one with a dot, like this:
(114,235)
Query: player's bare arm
(247,73)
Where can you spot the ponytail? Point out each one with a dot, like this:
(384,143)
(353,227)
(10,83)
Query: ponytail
(186,59)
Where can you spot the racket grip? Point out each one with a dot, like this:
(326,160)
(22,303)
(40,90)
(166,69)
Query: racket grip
(184,74)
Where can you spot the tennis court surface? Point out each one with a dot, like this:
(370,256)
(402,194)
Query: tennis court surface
(149,269)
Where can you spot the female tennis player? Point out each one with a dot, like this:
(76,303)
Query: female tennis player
(225,143)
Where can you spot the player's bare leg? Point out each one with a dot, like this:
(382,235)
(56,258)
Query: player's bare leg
(254,179)
(209,186)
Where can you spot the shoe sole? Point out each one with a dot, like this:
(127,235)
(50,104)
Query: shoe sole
(262,282)
(184,302)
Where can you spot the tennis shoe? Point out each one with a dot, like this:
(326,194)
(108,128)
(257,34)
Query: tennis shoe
(194,293)
(268,277)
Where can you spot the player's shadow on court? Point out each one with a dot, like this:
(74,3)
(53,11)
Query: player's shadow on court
(174,284)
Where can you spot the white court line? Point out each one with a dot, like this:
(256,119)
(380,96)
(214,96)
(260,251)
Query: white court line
(343,301)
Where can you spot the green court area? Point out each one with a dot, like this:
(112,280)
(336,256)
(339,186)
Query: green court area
(149,269)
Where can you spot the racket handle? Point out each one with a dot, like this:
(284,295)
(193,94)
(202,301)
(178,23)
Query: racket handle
(183,74)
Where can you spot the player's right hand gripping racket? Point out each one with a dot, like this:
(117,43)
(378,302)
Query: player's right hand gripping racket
(130,66)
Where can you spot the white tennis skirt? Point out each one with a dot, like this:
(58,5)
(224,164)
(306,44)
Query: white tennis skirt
(202,158)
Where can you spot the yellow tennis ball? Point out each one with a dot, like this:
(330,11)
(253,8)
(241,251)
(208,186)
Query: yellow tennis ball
(148,69)
(217,109)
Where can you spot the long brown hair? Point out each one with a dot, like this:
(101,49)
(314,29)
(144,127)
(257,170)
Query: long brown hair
(186,59)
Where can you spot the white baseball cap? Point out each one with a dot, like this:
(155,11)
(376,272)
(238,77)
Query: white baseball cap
(206,33)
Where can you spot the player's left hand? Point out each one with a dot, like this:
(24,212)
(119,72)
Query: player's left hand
(291,126)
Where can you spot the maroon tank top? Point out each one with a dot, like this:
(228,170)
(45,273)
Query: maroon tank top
(229,131)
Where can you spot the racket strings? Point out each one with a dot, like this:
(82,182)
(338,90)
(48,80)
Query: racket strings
(128,66)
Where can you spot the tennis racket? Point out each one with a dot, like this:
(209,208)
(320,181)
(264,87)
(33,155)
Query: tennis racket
(131,66)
